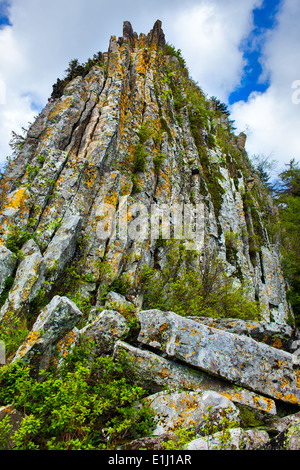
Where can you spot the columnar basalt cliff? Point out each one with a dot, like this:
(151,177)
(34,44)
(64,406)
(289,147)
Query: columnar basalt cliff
(134,133)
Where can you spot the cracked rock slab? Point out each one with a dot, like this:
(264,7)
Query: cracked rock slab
(153,371)
(238,359)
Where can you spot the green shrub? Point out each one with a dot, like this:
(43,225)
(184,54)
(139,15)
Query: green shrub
(86,406)
(13,335)
(17,237)
(188,289)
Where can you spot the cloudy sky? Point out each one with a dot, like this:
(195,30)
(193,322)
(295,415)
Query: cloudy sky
(245,52)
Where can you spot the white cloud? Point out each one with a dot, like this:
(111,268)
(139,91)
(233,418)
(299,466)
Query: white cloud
(210,34)
(272,119)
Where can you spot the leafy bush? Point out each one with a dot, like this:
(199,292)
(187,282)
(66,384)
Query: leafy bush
(82,406)
(13,334)
(189,289)
(17,237)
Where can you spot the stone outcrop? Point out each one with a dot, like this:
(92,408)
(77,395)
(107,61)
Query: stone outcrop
(154,372)
(133,134)
(7,263)
(58,318)
(238,439)
(238,359)
(189,410)
(29,279)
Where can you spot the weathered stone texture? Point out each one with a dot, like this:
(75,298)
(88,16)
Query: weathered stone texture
(238,359)
(58,318)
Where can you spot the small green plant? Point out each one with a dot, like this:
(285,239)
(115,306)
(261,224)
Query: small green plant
(139,158)
(5,431)
(181,438)
(17,237)
(158,161)
(13,334)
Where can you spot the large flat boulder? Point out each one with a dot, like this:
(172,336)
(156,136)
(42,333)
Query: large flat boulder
(150,370)
(238,359)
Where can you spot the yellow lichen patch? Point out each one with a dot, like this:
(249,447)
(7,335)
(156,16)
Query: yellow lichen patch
(17,199)
(277,344)
(163,373)
(164,327)
(111,198)
(142,61)
(31,339)
(65,344)
(61,106)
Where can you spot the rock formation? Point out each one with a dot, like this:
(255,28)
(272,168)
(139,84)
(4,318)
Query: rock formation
(77,226)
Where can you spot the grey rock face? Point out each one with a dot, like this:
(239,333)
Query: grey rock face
(105,330)
(7,262)
(279,335)
(62,246)
(28,280)
(237,359)
(155,372)
(233,439)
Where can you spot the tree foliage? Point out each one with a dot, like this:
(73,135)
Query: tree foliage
(75,69)
(288,199)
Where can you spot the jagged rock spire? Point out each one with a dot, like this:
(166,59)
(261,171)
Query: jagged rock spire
(128,33)
(156,35)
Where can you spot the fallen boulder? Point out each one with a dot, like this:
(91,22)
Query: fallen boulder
(58,318)
(191,410)
(278,335)
(155,372)
(230,439)
(105,330)
(238,359)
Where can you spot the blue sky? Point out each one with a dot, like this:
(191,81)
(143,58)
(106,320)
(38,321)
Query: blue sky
(247,53)
(4,19)
(264,19)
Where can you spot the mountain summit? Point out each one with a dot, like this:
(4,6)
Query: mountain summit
(131,214)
